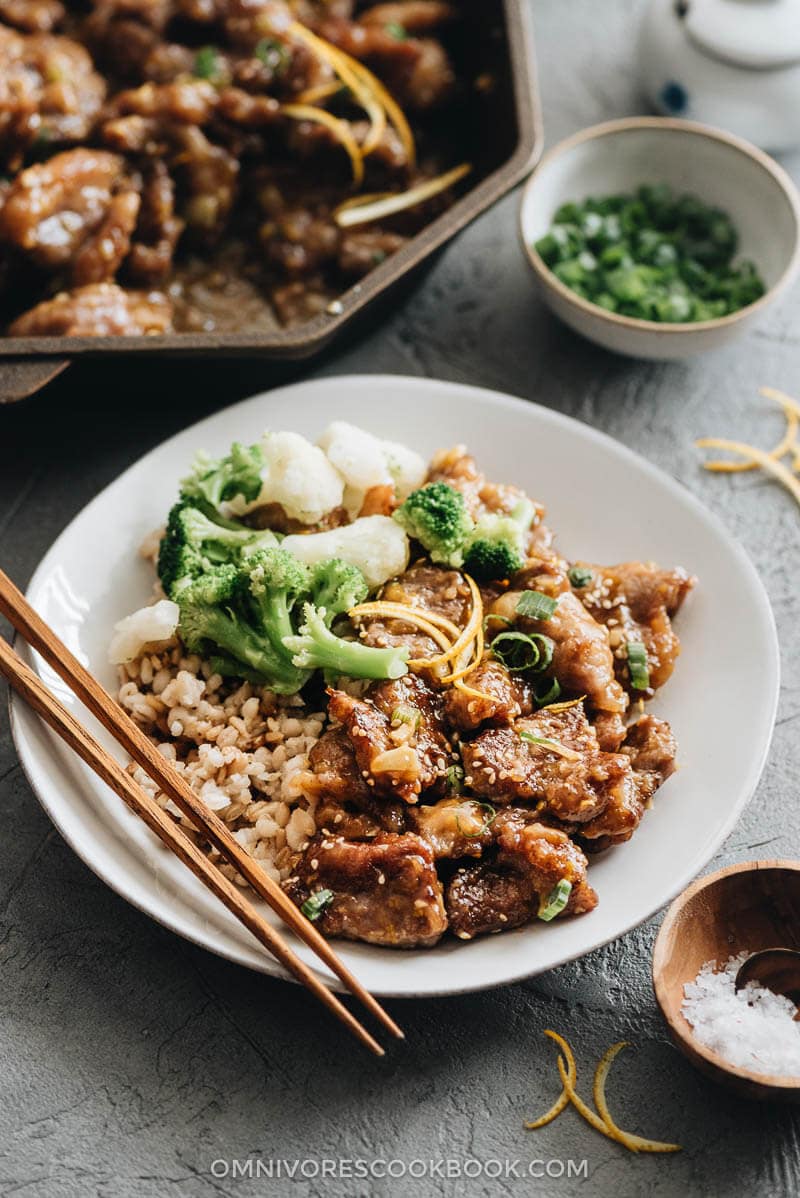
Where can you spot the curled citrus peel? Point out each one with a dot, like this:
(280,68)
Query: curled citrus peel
(633,1142)
(777,469)
(768,460)
(356,79)
(461,648)
(602,1122)
(360,210)
(563,1099)
(339,128)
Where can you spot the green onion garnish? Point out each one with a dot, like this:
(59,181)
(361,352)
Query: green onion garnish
(517,651)
(536,605)
(206,63)
(637,664)
(556,900)
(272,54)
(316,903)
(547,742)
(406,715)
(546,648)
(493,615)
(488,820)
(396,30)
(579,576)
(546,691)
(455,778)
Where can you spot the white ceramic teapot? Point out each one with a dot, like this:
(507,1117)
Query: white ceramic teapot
(731,63)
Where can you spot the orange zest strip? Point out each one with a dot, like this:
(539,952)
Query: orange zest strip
(339,128)
(563,1099)
(633,1142)
(358,79)
(760,456)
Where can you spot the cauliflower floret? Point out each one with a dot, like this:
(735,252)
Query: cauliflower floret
(365,461)
(147,626)
(376,544)
(298,476)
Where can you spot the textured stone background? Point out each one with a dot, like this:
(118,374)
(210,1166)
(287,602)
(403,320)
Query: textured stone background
(129,1060)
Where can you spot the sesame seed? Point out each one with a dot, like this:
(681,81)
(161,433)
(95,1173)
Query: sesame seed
(315,863)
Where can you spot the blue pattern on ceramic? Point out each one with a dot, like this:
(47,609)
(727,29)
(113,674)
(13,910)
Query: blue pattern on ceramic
(674,97)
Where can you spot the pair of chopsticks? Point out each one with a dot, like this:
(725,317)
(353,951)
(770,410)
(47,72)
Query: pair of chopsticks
(30,687)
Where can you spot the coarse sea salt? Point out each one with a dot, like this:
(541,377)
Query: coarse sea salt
(752,1028)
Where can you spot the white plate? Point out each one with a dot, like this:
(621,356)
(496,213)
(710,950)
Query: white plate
(606,504)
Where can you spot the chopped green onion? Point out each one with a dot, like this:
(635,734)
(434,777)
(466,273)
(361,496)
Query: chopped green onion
(546,648)
(455,779)
(556,900)
(637,664)
(651,254)
(272,54)
(517,651)
(546,691)
(406,715)
(579,576)
(536,606)
(206,63)
(547,742)
(493,615)
(487,822)
(396,30)
(316,903)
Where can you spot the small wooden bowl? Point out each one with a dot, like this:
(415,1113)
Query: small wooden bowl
(744,908)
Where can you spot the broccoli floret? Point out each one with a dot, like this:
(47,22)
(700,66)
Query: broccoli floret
(336,586)
(436,516)
(221,618)
(216,479)
(317,648)
(276,580)
(496,548)
(487,559)
(193,542)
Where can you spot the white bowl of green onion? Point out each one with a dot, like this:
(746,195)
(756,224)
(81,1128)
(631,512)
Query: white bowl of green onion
(660,238)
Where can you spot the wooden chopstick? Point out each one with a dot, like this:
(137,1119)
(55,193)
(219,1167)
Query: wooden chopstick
(29,624)
(36,695)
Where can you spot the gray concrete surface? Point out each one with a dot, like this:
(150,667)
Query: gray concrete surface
(130,1061)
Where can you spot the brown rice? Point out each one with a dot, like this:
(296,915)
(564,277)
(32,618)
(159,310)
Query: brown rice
(243,749)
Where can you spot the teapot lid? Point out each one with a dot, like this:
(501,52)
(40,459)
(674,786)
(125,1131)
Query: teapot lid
(748,33)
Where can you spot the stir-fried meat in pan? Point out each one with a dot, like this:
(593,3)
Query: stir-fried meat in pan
(385,891)
(101,308)
(196,97)
(50,93)
(157,229)
(32,16)
(76,211)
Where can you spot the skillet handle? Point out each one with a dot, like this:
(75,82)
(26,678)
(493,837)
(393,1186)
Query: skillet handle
(21,377)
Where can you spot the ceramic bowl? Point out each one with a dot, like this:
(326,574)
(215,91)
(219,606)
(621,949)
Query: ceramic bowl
(744,908)
(721,169)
